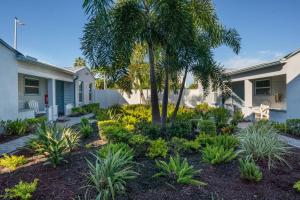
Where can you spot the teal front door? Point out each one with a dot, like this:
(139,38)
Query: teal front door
(60,97)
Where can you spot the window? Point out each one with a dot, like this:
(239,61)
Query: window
(90,91)
(32,86)
(263,87)
(80,91)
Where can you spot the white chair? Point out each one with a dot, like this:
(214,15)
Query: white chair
(34,105)
(262,112)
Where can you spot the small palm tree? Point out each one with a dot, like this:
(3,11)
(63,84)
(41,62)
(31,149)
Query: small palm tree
(79,62)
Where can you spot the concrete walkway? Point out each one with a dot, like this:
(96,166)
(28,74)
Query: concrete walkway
(13,145)
(291,141)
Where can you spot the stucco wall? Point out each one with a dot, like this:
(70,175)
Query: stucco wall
(24,98)
(8,84)
(86,77)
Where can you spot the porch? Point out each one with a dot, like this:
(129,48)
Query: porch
(50,96)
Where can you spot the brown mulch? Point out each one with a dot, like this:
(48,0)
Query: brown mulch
(223,181)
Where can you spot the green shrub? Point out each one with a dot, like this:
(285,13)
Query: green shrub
(71,138)
(297,186)
(12,162)
(16,127)
(115,134)
(78,111)
(228,129)
(90,108)
(180,129)
(101,114)
(261,142)
(204,139)
(102,124)
(178,171)
(33,123)
(184,145)
(139,143)
(227,141)
(237,117)
(85,128)
(21,191)
(113,148)
(221,116)
(108,176)
(207,126)
(280,127)
(217,154)
(158,148)
(146,128)
(293,126)
(203,107)
(249,170)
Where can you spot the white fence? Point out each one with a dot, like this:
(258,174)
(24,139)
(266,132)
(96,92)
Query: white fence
(106,98)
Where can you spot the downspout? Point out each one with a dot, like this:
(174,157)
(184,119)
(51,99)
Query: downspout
(74,81)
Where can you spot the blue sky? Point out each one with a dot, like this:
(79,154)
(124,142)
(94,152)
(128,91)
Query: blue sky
(269,29)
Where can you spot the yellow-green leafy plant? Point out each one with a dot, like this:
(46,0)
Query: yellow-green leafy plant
(217,154)
(297,186)
(227,141)
(16,127)
(249,170)
(184,145)
(71,138)
(178,171)
(139,143)
(12,162)
(113,148)
(158,148)
(22,190)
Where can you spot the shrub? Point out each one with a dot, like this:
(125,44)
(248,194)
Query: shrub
(148,129)
(71,138)
(76,111)
(101,114)
(33,123)
(228,129)
(280,127)
(237,117)
(227,141)
(217,154)
(178,171)
(293,126)
(139,142)
(207,126)
(203,107)
(261,142)
(85,128)
(297,186)
(115,134)
(21,191)
(92,107)
(184,145)
(106,123)
(16,127)
(108,176)
(221,116)
(12,162)
(204,139)
(180,129)
(249,170)
(113,148)
(158,148)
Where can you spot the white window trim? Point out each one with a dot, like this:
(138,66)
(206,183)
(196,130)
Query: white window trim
(270,88)
(27,86)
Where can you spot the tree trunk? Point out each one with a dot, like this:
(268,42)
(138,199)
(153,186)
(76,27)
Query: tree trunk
(174,114)
(164,112)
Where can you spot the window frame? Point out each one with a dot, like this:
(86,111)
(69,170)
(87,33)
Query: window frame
(80,92)
(31,86)
(270,87)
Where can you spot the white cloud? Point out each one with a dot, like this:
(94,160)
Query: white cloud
(239,62)
(274,54)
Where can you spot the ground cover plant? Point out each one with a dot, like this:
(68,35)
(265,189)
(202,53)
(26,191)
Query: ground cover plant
(249,170)
(12,162)
(22,190)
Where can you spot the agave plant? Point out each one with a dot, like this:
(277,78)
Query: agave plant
(179,171)
(108,176)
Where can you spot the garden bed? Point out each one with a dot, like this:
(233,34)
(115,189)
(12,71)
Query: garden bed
(67,181)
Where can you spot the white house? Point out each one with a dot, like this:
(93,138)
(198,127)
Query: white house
(276,84)
(24,79)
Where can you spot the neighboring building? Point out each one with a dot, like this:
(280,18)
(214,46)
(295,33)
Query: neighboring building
(276,84)
(24,79)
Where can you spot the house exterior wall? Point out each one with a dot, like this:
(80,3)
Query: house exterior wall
(293,86)
(8,84)
(87,78)
(68,93)
(24,98)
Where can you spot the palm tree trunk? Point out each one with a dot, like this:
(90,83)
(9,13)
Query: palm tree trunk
(174,114)
(165,100)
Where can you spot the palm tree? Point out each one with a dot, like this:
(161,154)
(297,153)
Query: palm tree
(79,62)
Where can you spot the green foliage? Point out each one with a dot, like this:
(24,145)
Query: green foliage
(293,126)
(297,186)
(114,148)
(22,190)
(237,117)
(106,123)
(261,142)
(91,108)
(85,128)
(207,126)
(139,143)
(158,148)
(148,129)
(280,127)
(221,116)
(227,141)
(217,154)
(76,111)
(249,170)
(33,123)
(203,108)
(108,176)
(12,162)
(184,145)
(71,138)
(115,133)
(204,139)
(178,171)
(16,127)
(228,129)
(180,129)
